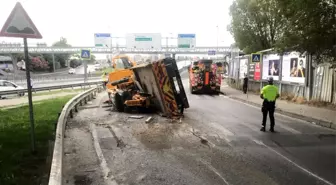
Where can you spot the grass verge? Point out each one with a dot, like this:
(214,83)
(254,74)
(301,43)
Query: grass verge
(44,93)
(17,164)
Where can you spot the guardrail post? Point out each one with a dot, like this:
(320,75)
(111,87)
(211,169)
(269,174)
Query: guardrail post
(76,108)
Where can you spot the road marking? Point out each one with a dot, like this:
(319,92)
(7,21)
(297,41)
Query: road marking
(289,129)
(214,170)
(293,163)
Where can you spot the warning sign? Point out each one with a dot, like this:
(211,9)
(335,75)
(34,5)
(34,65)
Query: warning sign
(256,57)
(19,24)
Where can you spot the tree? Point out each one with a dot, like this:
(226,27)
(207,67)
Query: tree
(75,63)
(256,24)
(62,58)
(310,26)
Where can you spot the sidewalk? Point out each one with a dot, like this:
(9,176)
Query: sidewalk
(9,103)
(316,115)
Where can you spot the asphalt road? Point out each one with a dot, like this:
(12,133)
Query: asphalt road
(218,142)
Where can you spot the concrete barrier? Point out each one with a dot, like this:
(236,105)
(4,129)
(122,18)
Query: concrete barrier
(56,172)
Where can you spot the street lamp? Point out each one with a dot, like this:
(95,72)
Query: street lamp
(217,39)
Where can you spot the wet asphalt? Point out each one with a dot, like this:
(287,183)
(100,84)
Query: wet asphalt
(218,142)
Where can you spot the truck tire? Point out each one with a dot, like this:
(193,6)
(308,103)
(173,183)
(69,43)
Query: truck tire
(119,102)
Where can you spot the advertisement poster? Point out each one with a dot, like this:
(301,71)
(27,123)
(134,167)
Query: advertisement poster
(251,70)
(257,71)
(294,67)
(271,66)
(243,68)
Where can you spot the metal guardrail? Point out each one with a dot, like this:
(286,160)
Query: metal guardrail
(48,88)
(56,172)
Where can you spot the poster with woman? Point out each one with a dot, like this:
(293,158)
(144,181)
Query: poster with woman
(271,66)
(294,67)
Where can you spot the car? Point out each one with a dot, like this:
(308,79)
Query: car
(72,71)
(8,86)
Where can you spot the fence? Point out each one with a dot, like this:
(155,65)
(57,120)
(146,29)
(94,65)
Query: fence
(295,74)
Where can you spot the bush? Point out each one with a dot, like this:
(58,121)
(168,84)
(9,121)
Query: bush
(39,64)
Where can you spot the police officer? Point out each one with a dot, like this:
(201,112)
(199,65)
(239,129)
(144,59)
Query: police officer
(269,94)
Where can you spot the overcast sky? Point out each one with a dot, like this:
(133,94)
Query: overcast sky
(78,20)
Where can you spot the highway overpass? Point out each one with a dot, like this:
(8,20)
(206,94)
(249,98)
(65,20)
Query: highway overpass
(122,50)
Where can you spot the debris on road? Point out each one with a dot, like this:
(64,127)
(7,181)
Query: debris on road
(149,119)
(136,117)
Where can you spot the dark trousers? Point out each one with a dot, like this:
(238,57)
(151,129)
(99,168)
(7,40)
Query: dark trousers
(268,107)
(245,88)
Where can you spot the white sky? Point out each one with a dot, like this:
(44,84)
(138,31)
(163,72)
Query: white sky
(78,20)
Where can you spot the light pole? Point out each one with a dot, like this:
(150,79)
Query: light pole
(217,36)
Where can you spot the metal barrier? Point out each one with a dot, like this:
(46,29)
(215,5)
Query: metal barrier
(56,172)
(48,88)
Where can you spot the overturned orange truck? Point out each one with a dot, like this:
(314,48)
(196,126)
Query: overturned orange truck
(155,86)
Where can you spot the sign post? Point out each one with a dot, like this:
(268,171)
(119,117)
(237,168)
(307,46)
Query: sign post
(20,25)
(86,55)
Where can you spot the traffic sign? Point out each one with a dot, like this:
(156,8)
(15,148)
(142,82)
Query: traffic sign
(186,40)
(19,24)
(85,54)
(102,40)
(212,52)
(256,57)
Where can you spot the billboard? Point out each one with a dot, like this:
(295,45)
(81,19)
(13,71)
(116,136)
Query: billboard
(293,67)
(271,66)
(186,41)
(243,67)
(102,40)
(143,41)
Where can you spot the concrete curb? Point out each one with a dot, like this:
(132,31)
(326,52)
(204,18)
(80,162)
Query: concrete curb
(56,171)
(323,123)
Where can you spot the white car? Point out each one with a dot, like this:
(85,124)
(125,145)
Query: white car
(8,86)
(72,71)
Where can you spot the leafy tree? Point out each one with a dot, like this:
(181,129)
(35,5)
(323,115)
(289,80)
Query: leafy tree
(75,63)
(256,24)
(310,26)
(62,58)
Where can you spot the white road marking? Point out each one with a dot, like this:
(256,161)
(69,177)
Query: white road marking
(214,170)
(293,163)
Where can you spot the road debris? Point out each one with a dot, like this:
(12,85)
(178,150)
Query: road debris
(149,119)
(136,117)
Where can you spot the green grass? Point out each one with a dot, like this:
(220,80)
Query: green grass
(44,93)
(107,70)
(17,164)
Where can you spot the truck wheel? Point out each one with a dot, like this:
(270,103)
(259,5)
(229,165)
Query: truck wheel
(119,103)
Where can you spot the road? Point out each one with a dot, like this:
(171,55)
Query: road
(218,142)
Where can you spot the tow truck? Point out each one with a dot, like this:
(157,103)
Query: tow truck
(204,77)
